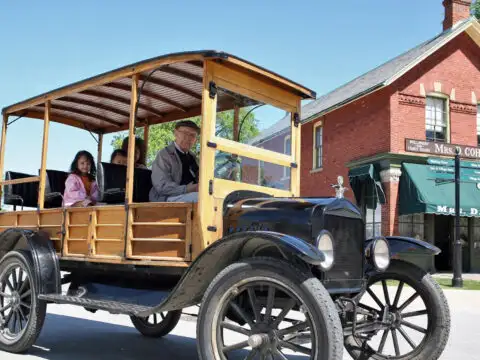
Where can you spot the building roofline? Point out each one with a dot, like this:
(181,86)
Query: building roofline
(472,22)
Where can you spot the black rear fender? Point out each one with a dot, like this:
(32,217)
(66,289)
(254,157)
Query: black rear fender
(220,254)
(39,249)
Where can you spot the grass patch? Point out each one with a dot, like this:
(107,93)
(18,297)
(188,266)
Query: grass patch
(446,283)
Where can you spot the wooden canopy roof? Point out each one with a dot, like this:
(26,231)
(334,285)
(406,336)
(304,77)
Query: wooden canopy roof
(171,89)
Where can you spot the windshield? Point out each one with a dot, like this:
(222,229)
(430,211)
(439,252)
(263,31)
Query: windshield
(257,124)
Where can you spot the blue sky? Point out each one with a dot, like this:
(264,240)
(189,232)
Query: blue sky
(320,44)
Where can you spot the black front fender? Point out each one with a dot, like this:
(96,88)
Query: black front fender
(41,252)
(407,245)
(409,249)
(220,254)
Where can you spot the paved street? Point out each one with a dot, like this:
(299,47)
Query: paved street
(73,333)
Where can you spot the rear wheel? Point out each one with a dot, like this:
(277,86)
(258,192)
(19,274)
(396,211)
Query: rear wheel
(415,313)
(21,313)
(263,308)
(157,325)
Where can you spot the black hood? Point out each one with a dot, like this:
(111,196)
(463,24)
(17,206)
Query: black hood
(292,216)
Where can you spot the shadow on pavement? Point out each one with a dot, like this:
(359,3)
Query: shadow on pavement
(65,337)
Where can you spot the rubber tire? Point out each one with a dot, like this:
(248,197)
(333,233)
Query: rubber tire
(309,288)
(435,299)
(158,330)
(38,310)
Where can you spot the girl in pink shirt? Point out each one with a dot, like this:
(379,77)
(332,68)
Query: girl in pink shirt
(81,188)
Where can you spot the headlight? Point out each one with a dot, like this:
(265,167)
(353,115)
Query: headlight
(380,254)
(325,245)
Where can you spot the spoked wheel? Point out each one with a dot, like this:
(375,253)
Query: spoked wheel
(267,309)
(21,313)
(409,315)
(157,325)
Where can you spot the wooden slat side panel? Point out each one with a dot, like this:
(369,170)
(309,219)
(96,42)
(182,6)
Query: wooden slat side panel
(92,229)
(160,249)
(173,215)
(79,217)
(158,232)
(188,235)
(28,220)
(109,248)
(197,243)
(51,218)
(111,216)
(110,232)
(8,219)
(78,248)
(79,233)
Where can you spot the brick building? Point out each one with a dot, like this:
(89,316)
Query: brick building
(386,130)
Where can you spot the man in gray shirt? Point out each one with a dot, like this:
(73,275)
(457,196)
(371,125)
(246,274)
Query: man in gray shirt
(175,169)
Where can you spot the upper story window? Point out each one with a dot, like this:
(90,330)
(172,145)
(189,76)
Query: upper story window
(478,125)
(287,149)
(318,146)
(436,119)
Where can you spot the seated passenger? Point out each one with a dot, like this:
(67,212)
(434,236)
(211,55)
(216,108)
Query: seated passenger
(140,156)
(119,157)
(175,169)
(81,188)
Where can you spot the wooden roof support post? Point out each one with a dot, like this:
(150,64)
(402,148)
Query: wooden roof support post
(2,149)
(295,150)
(99,148)
(131,141)
(206,203)
(43,167)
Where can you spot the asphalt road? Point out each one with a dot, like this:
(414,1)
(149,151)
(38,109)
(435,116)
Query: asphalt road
(73,333)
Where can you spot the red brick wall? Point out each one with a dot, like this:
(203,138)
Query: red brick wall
(355,131)
(455,66)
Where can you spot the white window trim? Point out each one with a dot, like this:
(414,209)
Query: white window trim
(288,137)
(445,97)
(314,150)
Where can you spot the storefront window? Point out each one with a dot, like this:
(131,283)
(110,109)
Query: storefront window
(412,226)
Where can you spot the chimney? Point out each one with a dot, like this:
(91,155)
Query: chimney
(455,11)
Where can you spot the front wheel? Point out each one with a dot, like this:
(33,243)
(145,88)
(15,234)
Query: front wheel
(157,325)
(21,313)
(414,313)
(265,308)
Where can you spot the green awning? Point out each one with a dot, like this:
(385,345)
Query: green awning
(365,179)
(419,193)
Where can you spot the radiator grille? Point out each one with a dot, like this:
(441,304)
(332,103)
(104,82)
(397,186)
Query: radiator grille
(348,247)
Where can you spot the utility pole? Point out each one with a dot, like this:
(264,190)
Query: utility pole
(457,247)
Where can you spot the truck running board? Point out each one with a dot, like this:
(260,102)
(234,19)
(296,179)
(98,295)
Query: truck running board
(113,307)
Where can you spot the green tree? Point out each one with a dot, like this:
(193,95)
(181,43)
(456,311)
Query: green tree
(476,9)
(160,135)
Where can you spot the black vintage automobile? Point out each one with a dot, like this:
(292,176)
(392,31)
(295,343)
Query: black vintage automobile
(276,276)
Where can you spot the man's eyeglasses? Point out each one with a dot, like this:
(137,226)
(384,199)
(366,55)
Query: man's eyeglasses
(188,134)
